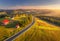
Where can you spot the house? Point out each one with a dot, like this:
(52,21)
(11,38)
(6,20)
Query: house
(5,21)
(17,26)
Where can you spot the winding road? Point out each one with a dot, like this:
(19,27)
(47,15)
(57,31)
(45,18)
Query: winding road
(20,32)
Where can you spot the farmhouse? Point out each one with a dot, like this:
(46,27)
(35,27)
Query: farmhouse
(5,21)
(17,26)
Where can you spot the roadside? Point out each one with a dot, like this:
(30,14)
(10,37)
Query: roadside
(20,32)
(40,31)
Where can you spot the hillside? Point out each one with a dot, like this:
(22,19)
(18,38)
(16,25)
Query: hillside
(10,26)
(50,19)
(41,31)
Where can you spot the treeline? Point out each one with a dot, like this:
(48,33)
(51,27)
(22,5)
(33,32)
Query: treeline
(21,20)
(8,30)
(50,19)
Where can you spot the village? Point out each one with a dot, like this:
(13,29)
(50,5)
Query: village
(14,21)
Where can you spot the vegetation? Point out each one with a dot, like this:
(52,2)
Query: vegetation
(10,29)
(7,32)
(40,31)
(50,19)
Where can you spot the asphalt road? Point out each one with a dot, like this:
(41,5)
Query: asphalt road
(22,31)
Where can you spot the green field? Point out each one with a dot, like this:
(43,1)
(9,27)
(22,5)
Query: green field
(40,31)
(8,30)
(51,19)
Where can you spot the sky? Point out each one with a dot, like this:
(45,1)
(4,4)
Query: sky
(29,4)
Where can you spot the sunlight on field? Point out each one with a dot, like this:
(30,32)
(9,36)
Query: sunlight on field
(7,32)
(10,29)
(43,25)
(40,32)
(17,17)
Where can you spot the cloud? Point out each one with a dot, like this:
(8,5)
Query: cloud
(30,4)
(53,6)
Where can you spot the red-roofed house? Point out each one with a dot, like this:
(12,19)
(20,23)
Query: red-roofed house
(5,21)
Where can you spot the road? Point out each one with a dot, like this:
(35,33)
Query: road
(22,31)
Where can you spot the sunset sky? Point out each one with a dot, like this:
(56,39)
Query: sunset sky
(29,4)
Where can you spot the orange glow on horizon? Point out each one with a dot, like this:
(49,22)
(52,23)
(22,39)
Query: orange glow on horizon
(35,7)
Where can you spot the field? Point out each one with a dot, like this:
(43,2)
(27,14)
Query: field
(40,31)
(51,19)
(8,30)
(46,27)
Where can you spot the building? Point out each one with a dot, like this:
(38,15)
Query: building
(5,21)
(17,26)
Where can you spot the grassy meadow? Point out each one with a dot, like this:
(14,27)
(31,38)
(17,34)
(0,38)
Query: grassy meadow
(40,31)
(51,19)
(9,30)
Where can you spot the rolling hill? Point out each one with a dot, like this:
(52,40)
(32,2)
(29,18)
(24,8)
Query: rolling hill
(40,31)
